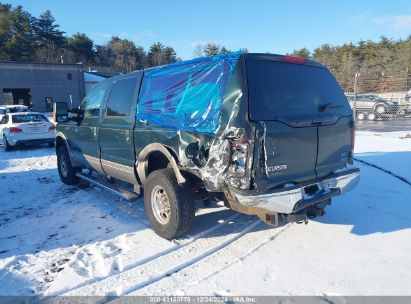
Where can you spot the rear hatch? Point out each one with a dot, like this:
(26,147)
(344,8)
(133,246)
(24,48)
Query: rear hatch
(31,123)
(305,119)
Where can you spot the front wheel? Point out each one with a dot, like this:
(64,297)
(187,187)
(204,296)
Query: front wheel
(169,206)
(66,170)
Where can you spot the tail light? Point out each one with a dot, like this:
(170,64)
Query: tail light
(293,59)
(52,128)
(15,130)
(239,158)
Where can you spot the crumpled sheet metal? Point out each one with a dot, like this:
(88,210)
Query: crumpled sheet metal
(187,95)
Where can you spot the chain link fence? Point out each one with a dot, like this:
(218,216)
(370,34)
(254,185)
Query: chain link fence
(381,104)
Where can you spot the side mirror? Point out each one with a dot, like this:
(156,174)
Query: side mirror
(76,115)
(60,111)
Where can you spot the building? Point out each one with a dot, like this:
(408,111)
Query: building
(92,78)
(38,85)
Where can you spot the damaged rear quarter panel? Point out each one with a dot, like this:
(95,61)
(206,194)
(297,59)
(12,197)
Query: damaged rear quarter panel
(207,156)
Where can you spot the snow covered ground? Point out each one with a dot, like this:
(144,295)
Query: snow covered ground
(56,239)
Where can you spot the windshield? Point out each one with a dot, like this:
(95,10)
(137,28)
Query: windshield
(28,118)
(283,90)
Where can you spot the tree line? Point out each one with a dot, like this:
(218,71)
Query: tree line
(24,37)
(382,66)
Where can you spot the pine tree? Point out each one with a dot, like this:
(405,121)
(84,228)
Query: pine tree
(47,31)
(16,33)
(83,47)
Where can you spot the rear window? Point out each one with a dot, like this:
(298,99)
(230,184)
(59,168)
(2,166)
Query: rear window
(28,118)
(283,90)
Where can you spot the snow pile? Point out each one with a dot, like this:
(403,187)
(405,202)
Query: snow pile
(57,239)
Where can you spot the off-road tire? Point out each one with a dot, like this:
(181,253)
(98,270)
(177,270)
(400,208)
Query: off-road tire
(7,147)
(181,204)
(70,177)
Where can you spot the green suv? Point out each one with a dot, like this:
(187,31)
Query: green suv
(269,135)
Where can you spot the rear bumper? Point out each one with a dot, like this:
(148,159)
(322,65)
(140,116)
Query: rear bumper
(30,139)
(34,141)
(294,199)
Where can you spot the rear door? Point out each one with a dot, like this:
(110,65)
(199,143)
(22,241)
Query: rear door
(116,129)
(301,106)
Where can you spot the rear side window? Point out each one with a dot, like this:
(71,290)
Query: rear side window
(186,95)
(4,120)
(121,100)
(283,90)
(28,118)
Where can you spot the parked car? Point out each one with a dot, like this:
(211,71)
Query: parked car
(371,107)
(26,129)
(12,109)
(269,135)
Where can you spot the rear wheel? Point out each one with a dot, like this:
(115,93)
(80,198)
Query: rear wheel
(6,144)
(169,206)
(66,170)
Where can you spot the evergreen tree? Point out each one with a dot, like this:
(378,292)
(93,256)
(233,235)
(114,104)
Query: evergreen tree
(156,54)
(16,33)
(47,32)
(211,49)
(83,48)
(169,55)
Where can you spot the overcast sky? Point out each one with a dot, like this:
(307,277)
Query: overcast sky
(259,25)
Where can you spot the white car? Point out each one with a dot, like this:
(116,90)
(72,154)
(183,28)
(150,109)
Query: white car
(12,109)
(26,129)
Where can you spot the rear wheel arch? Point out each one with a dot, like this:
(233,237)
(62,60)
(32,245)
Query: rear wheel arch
(156,156)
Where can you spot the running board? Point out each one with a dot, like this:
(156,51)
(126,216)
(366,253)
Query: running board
(100,182)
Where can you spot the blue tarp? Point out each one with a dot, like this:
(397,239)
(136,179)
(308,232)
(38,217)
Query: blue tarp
(187,95)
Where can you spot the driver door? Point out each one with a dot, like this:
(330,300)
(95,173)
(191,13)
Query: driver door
(85,139)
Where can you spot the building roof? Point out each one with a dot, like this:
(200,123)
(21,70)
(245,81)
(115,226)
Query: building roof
(93,77)
(39,63)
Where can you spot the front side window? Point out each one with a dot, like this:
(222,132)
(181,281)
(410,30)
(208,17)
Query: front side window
(121,100)
(92,102)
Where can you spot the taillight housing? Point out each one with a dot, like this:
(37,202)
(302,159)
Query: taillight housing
(239,158)
(15,130)
(52,128)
